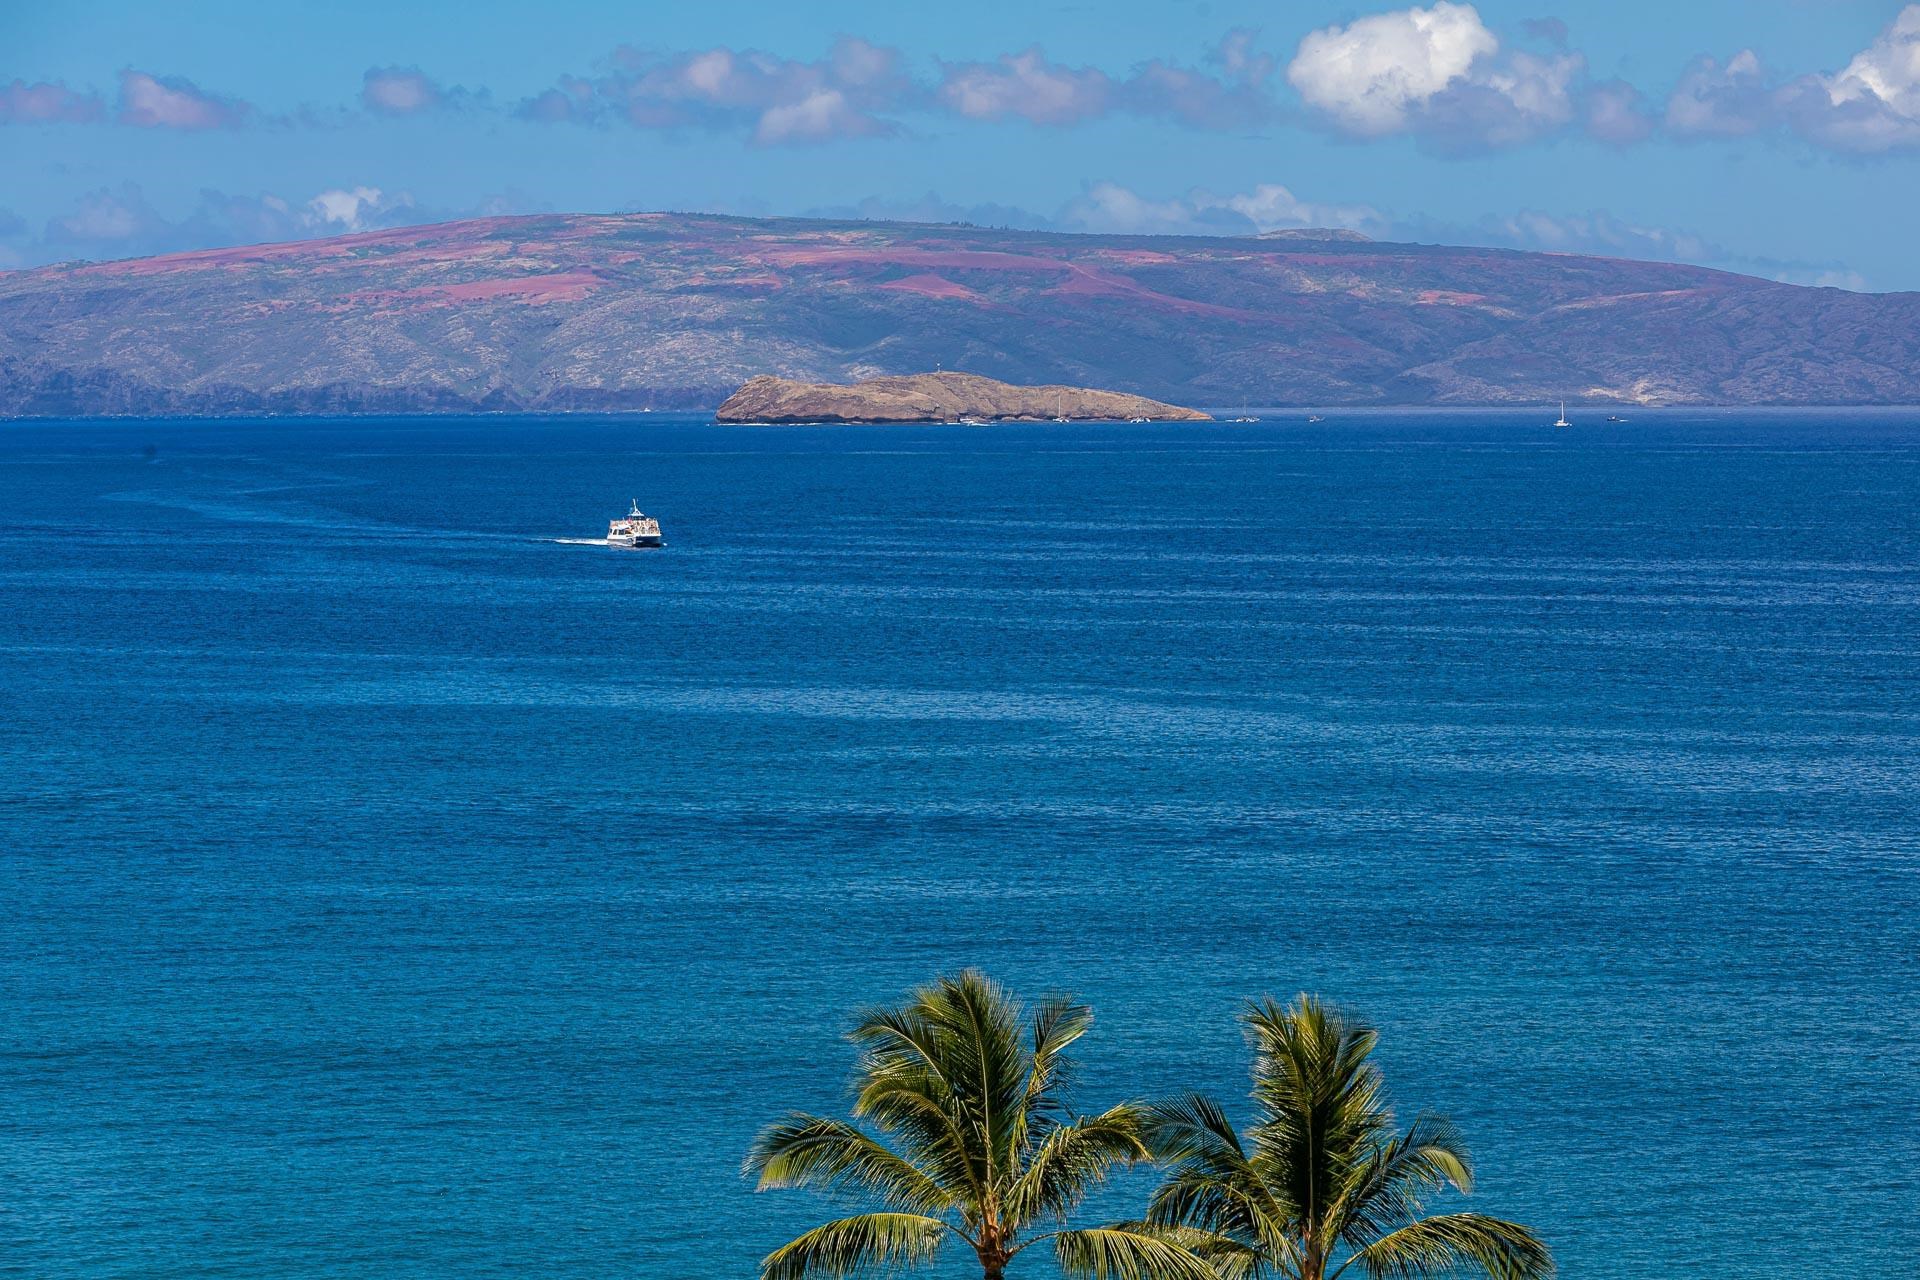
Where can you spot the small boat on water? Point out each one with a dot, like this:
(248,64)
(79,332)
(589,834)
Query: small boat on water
(1139,419)
(1614,417)
(635,530)
(1562,421)
(1314,417)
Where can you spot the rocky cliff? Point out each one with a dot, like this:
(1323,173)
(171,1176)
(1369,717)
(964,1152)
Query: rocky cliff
(935,397)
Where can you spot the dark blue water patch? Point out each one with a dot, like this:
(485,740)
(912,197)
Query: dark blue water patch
(393,890)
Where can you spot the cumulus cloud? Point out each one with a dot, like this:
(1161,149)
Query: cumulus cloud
(1236,55)
(775,99)
(1722,100)
(145,101)
(1873,104)
(1236,97)
(46,103)
(1437,73)
(104,217)
(1112,208)
(1619,114)
(1116,209)
(120,222)
(1870,105)
(399,91)
(355,209)
(1598,233)
(1603,234)
(931,208)
(171,102)
(1025,86)
(863,90)
(1372,75)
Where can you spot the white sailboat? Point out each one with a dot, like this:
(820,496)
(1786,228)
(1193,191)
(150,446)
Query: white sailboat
(1562,422)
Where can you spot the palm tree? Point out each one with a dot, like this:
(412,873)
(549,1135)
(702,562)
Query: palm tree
(1322,1181)
(970,1090)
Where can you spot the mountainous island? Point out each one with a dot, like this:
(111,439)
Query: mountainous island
(565,312)
(935,397)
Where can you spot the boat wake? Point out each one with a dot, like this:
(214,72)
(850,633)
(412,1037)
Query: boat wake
(581,542)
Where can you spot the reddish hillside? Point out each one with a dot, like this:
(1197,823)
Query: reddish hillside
(564,312)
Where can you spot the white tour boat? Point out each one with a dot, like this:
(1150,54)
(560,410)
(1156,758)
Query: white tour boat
(636,530)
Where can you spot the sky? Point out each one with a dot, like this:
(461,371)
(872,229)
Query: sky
(1775,137)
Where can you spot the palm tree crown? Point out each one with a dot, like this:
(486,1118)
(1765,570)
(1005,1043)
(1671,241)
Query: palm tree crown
(970,1089)
(1322,1181)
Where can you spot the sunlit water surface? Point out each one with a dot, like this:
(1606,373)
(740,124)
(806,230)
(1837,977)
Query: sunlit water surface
(392,890)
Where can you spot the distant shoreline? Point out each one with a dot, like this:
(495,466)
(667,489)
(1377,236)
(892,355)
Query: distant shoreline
(1223,414)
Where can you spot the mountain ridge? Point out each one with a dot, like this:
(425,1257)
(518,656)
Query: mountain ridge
(559,312)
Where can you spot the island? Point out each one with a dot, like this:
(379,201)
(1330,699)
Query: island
(936,397)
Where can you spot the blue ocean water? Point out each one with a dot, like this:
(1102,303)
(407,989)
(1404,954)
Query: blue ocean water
(389,890)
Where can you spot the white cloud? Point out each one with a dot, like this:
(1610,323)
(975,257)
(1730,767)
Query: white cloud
(1372,75)
(822,114)
(1110,207)
(104,217)
(1722,100)
(1888,70)
(120,222)
(1025,86)
(399,91)
(1870,105)
(1598,233)
(1113,208)
(1272,207)
(1618,114)
(862,90)
(772,99)
(153,102)
(47,103)
(1436,72)
(1873,104)
(355,209)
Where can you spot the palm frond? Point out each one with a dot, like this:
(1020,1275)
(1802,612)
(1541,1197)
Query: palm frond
(1057,1023)
(900,1041)
(1321,1103)
(857,1245)
(1072,1160)
(1387,1189)
(938,1136)
(1191,1126)
(980,1016)
(810,1151)
(1117,1253)
(1237,1207)
(1213,1184)
(1453,1243)
(1228,1258)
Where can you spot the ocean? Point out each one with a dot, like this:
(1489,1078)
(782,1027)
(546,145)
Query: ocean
(390,889)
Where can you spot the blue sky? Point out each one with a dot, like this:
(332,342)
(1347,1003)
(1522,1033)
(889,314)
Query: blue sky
(1778,137)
